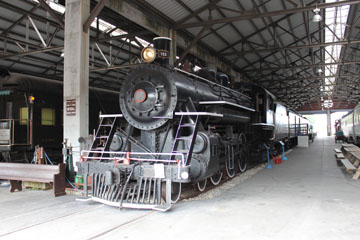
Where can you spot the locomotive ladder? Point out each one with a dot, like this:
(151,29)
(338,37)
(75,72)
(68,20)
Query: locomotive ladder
(190,138)
(104,134)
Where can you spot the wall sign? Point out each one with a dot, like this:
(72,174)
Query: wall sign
(71,107)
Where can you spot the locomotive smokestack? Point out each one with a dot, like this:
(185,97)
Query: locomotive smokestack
(162,45)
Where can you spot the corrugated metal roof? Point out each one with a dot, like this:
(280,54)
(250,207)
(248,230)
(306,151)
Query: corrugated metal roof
(226,40)
(174,10)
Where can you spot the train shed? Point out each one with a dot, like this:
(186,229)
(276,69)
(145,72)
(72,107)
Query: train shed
(186,115)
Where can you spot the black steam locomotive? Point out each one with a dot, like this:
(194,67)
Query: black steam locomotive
(181,128)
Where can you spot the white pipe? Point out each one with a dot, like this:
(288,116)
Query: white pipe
(37,31)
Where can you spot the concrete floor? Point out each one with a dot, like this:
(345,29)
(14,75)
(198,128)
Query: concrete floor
(306,197)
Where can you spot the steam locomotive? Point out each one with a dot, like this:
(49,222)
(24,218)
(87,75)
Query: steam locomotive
(181,128)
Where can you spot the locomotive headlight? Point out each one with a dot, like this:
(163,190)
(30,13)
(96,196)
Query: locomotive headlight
(184,175)
(148,54)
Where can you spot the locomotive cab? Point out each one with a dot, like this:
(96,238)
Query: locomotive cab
(263,117)
(265,107)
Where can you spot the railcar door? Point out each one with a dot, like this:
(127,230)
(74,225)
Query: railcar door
(353,126)
(269,110)
(356,126)
(261,108)
(347,125)
(289,123)
(281,122)
(292,125)
(17,112)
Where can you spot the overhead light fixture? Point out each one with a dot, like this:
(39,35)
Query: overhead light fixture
(319,70)
(317,17)
(62,53)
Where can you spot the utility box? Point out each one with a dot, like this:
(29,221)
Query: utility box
(303,141)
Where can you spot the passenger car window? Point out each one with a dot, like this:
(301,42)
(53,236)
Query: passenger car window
(48,116)
(23,113)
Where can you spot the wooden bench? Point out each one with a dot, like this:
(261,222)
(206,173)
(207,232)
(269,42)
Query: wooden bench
(339,156)
(348,165)
(18,172)
(351,149)
(337,150)
(348,145)
(351,162)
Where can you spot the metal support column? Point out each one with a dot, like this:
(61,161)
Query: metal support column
(76,74)
(172,34)
(328,113)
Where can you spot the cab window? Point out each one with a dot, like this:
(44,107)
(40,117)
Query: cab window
(271,103)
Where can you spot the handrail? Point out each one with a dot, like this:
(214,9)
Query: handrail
(210,82)
(300,129)
(110,115)
(85,154)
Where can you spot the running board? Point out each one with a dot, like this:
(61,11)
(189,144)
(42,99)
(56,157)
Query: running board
(225,103)
(210,114)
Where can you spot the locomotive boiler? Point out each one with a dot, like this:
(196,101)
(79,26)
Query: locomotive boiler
(181,128)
